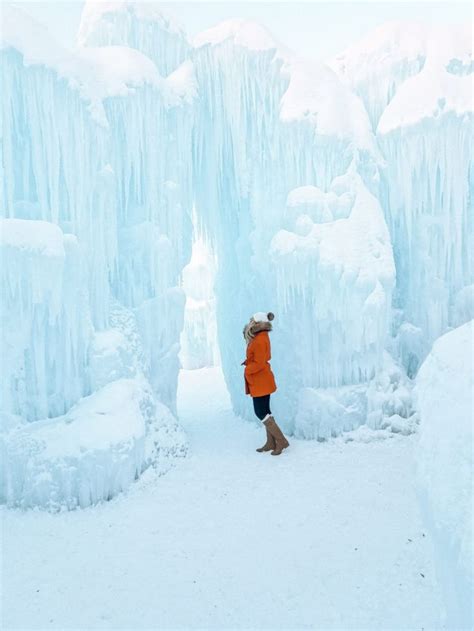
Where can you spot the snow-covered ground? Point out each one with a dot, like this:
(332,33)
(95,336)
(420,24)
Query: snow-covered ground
(329,535)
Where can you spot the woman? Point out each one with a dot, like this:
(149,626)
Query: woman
(259,379)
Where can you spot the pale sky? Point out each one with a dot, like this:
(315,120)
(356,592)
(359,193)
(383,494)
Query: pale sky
(312,29)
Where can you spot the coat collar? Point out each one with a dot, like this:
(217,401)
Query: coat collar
(254,328)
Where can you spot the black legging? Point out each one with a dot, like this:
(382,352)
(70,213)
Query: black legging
(261,405)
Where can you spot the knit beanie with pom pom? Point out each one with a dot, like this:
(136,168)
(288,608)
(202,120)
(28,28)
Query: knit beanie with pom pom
(260,316)
(257,319)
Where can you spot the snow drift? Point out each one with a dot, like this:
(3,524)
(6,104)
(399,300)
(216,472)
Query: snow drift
(445,388)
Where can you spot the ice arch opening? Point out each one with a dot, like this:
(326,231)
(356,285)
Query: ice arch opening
(104,163)
(198,341)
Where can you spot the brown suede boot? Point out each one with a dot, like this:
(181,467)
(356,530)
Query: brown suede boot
(280,441)
(270,444)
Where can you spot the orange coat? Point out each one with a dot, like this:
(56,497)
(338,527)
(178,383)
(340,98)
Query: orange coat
(259,379)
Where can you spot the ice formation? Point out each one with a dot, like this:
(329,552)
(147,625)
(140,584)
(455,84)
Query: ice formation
(306,146)
(380,62)
(416,82)
(139,25)
(427,185)
(445,389)
(338,196)
(97,168)
(199,346)
(91,453)
(46,328)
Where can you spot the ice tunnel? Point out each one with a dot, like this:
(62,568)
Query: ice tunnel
(294,174)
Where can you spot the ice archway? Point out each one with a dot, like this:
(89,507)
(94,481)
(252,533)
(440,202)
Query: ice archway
(105,152)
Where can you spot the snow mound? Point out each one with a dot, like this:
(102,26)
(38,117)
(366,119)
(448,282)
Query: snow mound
(90,454)
(143,26)
(378,409)
(406,71)
(315,93)
(32,238)
(97,11)
(438,88)
(244,33)
(390,43)
(445,389)
(182,82)
(377,64)
(98,72)
(320,207)
(114,69)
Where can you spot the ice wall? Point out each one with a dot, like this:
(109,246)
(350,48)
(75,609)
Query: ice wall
(425,134)
(97,144)
(45,320)
(268,124)
(445,389)
(334,271)
(110,164)
(416,82)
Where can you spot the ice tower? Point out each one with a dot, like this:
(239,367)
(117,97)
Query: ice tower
(97,198)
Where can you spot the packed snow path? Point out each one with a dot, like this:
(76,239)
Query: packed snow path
(328,535)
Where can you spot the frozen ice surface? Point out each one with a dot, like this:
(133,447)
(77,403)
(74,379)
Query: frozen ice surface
(445,389)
